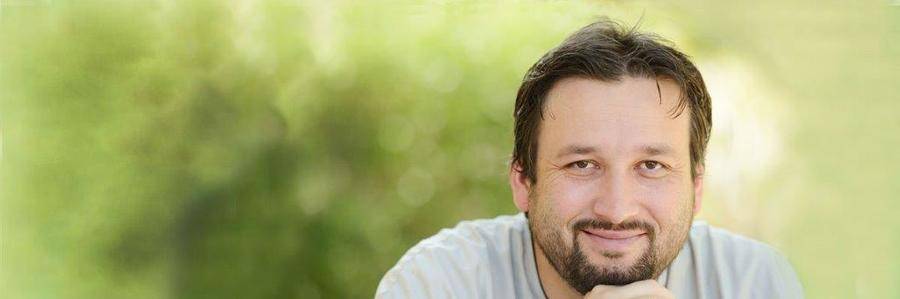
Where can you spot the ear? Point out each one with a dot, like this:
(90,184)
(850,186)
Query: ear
(698,189)
(520,185)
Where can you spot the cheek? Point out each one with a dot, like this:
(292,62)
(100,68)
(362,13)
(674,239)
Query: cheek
(571,198)
(667,201)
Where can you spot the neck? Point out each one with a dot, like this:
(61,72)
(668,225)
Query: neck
(555,287)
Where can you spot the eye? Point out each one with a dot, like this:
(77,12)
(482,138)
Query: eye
(582,164)
(582,167)
(651,165)
(652,169)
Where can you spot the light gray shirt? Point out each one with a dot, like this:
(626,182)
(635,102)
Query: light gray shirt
(493,258)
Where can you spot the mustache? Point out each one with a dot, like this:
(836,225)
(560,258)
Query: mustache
(606,225)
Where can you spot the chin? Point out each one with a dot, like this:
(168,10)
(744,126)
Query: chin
(624,258)
(614,259)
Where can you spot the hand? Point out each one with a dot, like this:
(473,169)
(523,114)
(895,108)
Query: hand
(638,289)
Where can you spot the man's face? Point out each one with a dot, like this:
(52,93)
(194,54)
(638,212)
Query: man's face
(614,197)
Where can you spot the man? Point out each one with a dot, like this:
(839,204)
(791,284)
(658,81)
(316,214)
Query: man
(611,130)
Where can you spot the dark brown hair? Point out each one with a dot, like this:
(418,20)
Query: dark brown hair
(607,51)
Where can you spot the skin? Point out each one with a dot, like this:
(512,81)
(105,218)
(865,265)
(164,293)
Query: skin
(610,152)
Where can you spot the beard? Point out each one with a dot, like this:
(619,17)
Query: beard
(576,269)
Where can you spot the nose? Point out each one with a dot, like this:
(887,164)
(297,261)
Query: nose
(616,200)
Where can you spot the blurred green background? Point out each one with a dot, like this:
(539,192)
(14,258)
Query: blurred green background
(280,149)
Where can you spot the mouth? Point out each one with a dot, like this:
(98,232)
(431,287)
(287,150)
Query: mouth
(614,240)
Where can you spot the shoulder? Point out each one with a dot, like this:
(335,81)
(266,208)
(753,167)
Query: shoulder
(745,268)
(455,260)
(735,247)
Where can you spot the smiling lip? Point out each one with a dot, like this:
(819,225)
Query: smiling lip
(614,240)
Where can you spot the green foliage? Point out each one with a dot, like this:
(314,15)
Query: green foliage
(246,150)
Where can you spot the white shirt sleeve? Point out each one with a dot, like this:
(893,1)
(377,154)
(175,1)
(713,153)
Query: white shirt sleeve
(418,276)
(476,259)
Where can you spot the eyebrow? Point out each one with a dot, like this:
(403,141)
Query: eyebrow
(577,149)
(656,149)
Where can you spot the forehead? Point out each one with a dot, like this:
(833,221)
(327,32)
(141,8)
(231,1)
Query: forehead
(630,113)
